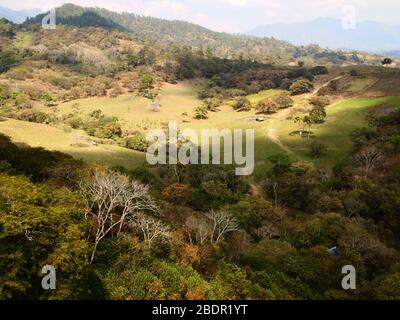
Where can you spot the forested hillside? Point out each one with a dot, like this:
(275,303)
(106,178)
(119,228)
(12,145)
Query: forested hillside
(182,33)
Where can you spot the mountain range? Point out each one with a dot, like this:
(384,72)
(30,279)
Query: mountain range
(177,33)
(17,16)
(327,32)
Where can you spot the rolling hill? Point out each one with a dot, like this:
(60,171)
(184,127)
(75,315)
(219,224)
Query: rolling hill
(181,33)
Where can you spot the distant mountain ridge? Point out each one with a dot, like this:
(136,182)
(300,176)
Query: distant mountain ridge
(367,36)
(176,33)
(18,16)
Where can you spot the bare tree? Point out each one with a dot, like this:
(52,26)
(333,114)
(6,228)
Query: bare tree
(150,228)
(222,223)
(110,199)
(136,198)
(369,157)
(199,230)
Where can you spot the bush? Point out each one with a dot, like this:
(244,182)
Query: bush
(318,115)
(137,142)
(242,104)
(75,122)
(34,116)
(212,104)
(111,130)
(320,101)
(266,106)
(283,100)
(300,87)
(271,105)
(201,112)
(286,83)
(319,70)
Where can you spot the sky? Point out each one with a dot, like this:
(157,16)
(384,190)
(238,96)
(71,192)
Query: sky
(235,15)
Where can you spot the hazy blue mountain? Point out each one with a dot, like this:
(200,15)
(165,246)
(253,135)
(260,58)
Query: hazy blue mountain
(17,16)
(327,32)
(394,53)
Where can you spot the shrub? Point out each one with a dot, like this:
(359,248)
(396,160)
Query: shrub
(75,122)
(283,100)
(266,106)
(137,142)
(212,104)
(318,115)
(300,87)
(34,116)
(201,112)
(111,130)
(242,104)
(319,70)
(320,101)
(271,105)
(286,83)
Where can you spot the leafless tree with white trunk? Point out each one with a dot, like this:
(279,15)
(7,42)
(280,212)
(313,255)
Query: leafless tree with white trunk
(150,228)
(369,157)
(198,229)
(111,198)
(222,223)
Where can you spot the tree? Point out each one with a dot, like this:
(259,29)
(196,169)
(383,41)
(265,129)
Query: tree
(369,157)
(317,115)
(40,225)
(150,228)
(387,61)
(300,87)
(177,193)
(302,122)
(111,198)
(281,163)
(222,223)
(198,229)
(145,83)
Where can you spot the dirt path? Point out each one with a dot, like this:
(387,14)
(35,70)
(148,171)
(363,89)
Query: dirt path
(274,137)
(325,85)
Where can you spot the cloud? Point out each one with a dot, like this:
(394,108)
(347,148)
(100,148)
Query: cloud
(241,3)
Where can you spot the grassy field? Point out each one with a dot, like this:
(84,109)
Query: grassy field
(360,84)
(255,98)
(132,109)
(271,137)
(41,135)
